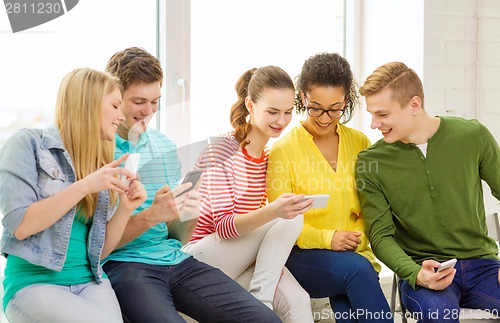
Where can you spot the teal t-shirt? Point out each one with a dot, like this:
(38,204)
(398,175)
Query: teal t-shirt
(159,165)
(20,273)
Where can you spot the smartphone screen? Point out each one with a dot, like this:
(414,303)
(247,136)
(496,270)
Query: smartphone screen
(193,177)
(320,201)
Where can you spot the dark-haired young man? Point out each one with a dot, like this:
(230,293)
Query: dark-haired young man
(152,277)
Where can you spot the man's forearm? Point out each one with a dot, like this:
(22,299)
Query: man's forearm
(137,225)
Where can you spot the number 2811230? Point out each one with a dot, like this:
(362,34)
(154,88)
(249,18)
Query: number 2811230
(33,8)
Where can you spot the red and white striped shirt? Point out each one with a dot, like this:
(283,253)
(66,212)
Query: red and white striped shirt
(233,183)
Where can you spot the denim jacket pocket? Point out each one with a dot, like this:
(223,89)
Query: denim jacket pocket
(51,178)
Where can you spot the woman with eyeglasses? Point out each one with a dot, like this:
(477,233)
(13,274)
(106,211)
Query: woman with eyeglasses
(331,257)
(237,227)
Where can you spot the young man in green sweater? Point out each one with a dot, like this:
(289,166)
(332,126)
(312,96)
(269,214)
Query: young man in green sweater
(421,195)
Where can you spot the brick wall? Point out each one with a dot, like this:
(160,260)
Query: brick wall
(462,62)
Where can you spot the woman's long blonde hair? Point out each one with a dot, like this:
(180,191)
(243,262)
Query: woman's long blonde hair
(79,118)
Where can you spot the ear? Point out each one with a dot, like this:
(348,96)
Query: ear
(303,98)
(415,104)
(249,104)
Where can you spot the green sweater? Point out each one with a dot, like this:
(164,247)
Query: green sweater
(431,207)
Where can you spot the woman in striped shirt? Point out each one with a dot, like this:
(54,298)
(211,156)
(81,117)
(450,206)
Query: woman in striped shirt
(237,227)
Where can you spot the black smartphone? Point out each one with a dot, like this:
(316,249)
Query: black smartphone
(193,177)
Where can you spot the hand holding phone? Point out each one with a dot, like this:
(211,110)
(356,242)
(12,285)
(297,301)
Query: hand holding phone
(193,177)
(447,264)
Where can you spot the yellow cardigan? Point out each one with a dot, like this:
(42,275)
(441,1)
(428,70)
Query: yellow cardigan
(297,165)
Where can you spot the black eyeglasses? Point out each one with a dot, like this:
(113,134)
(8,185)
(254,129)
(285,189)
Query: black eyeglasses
(317,112)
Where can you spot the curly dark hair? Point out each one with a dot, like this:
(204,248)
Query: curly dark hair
(327,70)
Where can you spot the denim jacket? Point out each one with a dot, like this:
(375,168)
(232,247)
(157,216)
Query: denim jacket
(34,165)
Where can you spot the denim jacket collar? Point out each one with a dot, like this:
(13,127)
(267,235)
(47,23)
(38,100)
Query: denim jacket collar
(51,139)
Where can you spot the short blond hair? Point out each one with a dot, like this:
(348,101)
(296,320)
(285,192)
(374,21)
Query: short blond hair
(402,80)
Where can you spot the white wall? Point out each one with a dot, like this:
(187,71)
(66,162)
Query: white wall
(462,63)
(389,30)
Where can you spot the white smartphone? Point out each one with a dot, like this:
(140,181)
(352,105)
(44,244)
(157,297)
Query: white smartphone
(193,177)
(320,201)
(447,264)
(131,164)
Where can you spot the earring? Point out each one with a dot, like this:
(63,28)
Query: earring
(247,118)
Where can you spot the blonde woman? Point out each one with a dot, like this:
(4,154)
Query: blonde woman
(65,207)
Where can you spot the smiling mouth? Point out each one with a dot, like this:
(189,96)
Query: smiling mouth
(323,125)
(276,129)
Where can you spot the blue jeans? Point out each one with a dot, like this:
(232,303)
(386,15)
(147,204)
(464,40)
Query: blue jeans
(152,293)
(475,286)
(347,278)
